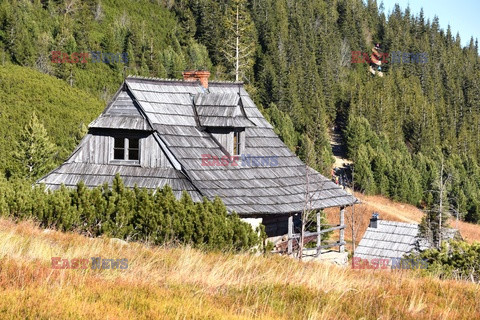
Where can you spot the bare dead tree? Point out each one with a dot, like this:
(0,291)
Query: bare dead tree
(354,220)
(308,211)
(70,7)
(355,216)
(345,54)
(440,208)
(305,213)
(240,45)
(98,15)
(432,228)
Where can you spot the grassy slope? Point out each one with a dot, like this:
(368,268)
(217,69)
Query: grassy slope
(185,283)
(61,108)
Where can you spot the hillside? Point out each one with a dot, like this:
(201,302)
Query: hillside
(63,110)
(177,283)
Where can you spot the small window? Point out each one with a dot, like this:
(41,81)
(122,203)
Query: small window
(133,149)
(236,143)
(119,149)
(126,149)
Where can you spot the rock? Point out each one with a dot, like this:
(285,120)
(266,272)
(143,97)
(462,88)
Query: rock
(119,241)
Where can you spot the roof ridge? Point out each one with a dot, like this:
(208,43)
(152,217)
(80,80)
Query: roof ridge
(180,80)
(398,222)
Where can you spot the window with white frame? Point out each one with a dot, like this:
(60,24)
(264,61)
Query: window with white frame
(126,149)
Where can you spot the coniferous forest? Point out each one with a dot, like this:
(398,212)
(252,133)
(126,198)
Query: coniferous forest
(407,132)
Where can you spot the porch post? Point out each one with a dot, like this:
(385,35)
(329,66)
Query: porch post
(290,235)
(342,230)
(319,235)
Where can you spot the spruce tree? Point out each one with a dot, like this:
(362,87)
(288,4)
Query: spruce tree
(34,152)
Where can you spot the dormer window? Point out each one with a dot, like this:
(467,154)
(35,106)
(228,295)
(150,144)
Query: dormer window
(126,149)
(237,143)
(231,140)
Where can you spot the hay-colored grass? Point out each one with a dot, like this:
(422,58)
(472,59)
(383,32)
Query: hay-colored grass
(184,283)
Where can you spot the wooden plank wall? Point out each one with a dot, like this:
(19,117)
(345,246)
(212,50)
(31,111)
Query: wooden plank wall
(226,140)
(151,155)
(98,149)
(95,149)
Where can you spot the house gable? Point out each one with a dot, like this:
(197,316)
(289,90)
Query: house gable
(122,113)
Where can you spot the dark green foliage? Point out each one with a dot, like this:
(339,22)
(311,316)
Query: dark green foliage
(455,260)
(135,214)
(283,126)
(363,172)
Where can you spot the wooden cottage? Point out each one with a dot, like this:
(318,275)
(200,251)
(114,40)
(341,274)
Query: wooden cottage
(207,138)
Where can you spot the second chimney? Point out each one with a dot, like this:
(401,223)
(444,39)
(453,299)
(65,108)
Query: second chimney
(374,220)
(200,75)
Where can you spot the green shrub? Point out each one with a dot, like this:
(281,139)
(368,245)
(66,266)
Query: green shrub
(131,214)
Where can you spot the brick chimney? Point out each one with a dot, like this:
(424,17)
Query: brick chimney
(374,220)
(200,75)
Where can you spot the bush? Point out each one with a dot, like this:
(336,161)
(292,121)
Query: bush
(455,260)
(131,214)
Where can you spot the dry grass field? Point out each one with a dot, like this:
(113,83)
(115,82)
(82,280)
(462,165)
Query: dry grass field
(184,283)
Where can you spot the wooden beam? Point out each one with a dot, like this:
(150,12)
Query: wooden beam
(334,244)
(333,228)
(308,234)
(290,235)
(342,231)
(319,233)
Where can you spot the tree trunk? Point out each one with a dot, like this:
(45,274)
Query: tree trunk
(237,48)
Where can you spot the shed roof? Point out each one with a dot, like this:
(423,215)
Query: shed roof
(391,239)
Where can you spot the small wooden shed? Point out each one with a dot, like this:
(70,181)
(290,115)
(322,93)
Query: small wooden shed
(393,240)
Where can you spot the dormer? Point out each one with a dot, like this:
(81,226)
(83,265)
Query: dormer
(222,115)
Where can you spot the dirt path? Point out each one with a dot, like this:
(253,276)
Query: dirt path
(338,148)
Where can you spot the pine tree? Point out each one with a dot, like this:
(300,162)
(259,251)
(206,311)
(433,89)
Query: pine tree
(34,152)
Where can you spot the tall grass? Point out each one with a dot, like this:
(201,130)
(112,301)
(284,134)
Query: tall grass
(178,283)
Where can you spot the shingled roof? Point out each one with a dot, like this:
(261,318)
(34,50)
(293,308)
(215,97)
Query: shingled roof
(176,115)
(391,239)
